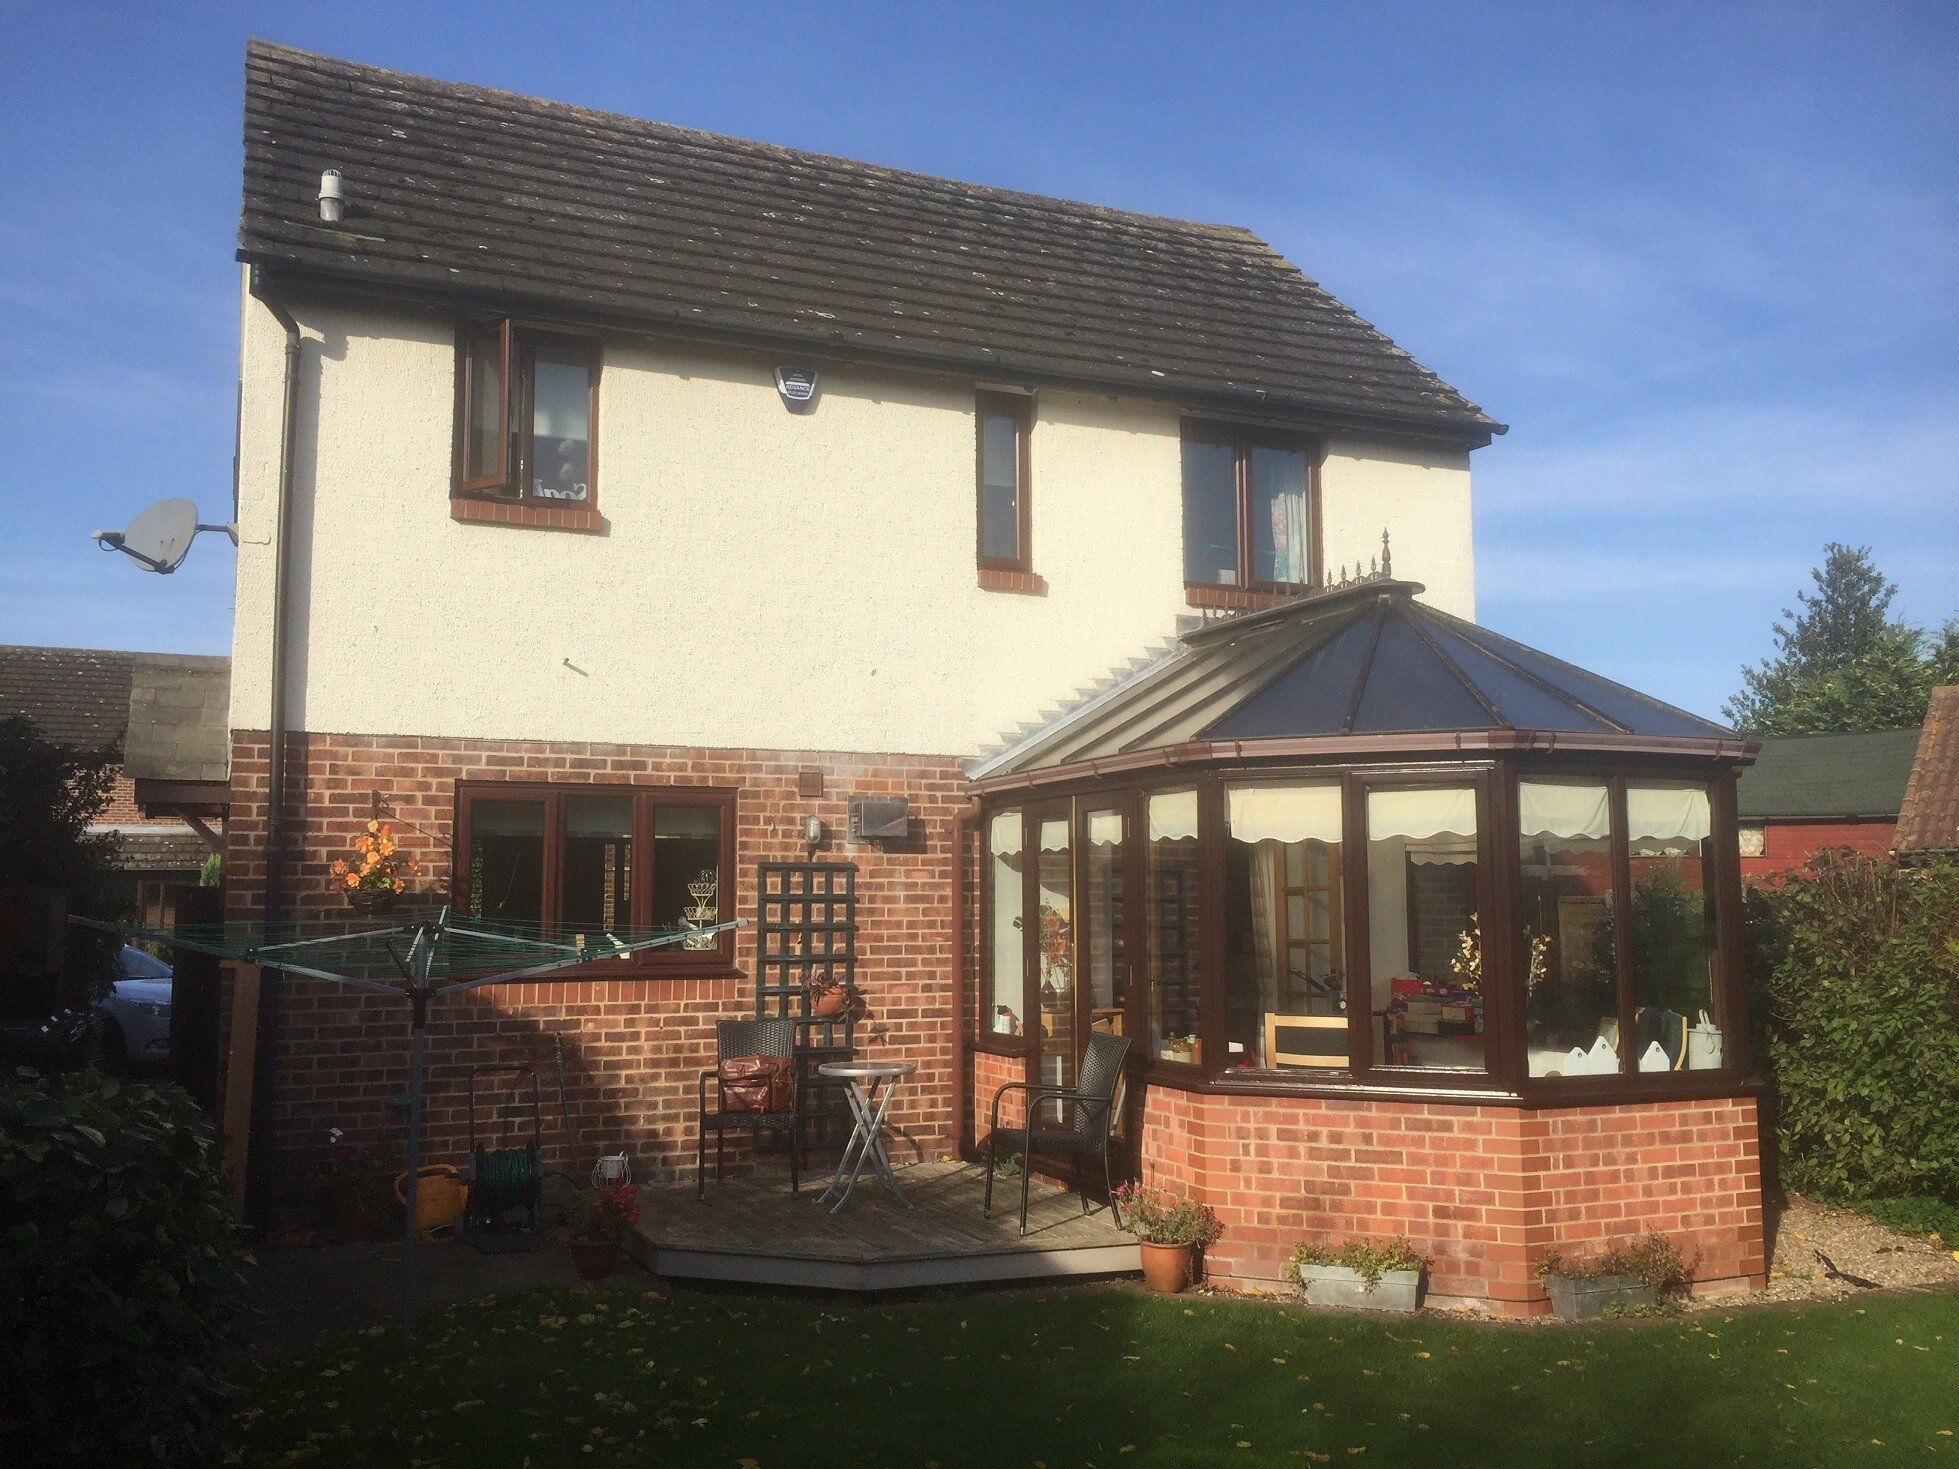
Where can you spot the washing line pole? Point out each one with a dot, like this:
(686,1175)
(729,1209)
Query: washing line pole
(421,959)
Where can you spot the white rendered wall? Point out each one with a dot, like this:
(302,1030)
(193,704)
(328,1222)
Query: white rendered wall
(768,580)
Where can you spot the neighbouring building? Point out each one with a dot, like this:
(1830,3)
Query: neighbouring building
(1808,793)
(165,718)
(1102,585)
(1928,823)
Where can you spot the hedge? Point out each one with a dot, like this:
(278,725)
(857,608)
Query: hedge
(119,1280)
(1855,967)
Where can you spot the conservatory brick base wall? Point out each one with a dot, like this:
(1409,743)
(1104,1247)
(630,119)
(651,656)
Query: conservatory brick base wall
(1483,1191)
(633,1047)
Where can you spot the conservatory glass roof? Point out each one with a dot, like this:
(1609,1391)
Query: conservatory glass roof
(1363,659)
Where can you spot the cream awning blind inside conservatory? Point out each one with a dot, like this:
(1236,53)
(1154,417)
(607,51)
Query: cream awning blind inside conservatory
(1570,810)
(1173,817)
(1665,815)
(1262,813)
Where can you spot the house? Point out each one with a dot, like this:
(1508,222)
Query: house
(165,717)
(624,509)
(1807,793)
(1928,822)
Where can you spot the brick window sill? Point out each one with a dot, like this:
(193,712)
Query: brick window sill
(1234,599)
(582,518)
(1026,582)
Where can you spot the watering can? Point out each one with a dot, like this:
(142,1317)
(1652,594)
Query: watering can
(439,1197)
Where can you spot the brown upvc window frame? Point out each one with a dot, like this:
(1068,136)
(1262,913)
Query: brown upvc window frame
(671,962)
(1020,408)
(1242,439)
(503,497)
(1505,1079)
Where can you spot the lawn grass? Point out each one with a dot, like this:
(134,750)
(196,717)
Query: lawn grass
(1111,1377)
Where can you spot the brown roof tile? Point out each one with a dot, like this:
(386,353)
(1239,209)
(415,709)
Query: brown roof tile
(469,193)
(1929,819)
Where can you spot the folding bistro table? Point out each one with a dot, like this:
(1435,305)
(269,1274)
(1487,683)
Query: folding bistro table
(870,1087)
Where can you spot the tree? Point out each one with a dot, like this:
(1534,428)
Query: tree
(48,796)
(1842,663)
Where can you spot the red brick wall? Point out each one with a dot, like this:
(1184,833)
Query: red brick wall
(1787,844)
(121,808)
(633,1046)
(1483,1191)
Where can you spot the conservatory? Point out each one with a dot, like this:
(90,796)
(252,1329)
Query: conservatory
(1415,931)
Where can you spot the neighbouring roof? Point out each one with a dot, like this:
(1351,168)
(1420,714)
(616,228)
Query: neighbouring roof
(77,697)
(179,718)
(1929,819)
(466,191)
(1360,660)
(1819,777)
(159,849)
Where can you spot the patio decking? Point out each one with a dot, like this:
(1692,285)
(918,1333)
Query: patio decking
(752,1230)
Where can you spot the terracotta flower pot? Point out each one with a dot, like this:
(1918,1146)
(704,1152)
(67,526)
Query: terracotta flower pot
(827,1003)
(1166,1268)
(593,1259)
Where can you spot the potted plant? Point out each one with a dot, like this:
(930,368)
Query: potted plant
(1368,1275)
(595,1243)
(353,1189)
(1171,1231)
(376,876)
(832,999)
(1616,1280)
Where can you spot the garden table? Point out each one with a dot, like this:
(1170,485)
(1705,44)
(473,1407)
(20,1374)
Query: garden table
(869,1088)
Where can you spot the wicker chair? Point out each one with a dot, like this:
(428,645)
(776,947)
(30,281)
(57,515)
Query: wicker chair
(734,1038)
(1088,1118)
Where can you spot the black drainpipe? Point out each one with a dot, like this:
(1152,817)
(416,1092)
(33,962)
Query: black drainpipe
(264,1043)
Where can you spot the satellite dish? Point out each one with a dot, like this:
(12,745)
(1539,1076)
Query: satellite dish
(159,538)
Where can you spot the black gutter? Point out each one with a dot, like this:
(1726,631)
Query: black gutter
(265,1042)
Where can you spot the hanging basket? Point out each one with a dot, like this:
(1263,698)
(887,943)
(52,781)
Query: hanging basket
(373,900)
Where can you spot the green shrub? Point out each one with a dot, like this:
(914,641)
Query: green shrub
(1919,1215)
(119,1276)
(1856,975)
(1369,1259)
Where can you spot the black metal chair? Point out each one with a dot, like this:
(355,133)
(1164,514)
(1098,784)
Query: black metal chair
(1087,1121)
(734,1038)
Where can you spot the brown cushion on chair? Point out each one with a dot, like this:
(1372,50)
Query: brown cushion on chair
(755,1083)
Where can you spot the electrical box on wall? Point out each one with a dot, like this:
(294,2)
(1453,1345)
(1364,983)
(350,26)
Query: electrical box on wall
(879,818)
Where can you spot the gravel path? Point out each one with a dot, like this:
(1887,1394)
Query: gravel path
(1857,1246)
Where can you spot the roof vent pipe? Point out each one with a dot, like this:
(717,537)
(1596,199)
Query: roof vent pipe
(331,208)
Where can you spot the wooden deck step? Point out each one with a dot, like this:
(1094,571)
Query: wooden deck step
(753,1230)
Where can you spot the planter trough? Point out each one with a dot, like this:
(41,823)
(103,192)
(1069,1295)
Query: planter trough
(1336,1285)
(1585,1298)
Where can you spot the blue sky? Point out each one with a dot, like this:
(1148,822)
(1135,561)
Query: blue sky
(1703,259)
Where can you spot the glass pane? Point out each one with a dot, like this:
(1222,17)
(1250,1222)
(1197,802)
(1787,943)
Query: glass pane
(597,864)
(1668,835)
(506,860)
(1210,513)
(1278,514)
(561,406)
(1170,925)
(1424,943)
(1571,987)
(999,486)
(1055,947)
(687,869)
(1101,937)
(483,443)
(1284,968)
(1005,1006)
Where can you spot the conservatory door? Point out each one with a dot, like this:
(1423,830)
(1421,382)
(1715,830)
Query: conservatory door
(1103,964)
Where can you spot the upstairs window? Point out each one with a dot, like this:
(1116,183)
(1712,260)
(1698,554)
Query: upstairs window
(525,404)
(1249,510)
(1005,536)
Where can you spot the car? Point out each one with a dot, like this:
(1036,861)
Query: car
(135,1014)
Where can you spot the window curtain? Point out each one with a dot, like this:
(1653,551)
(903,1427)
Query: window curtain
(1285,813)
(1173,817)
(1266,857)
(1663,819)
(1565,809)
